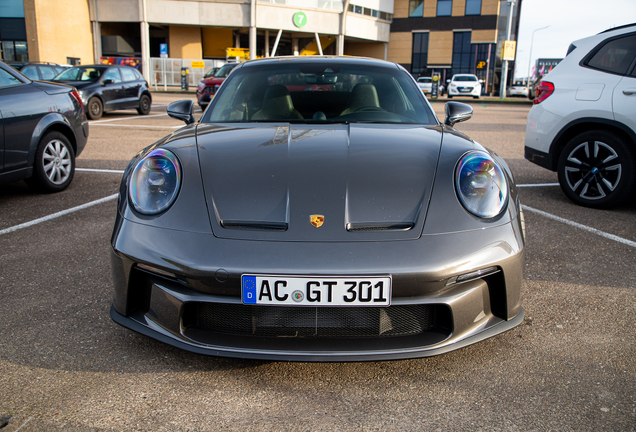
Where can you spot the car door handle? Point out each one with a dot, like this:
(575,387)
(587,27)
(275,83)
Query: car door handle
(629,92)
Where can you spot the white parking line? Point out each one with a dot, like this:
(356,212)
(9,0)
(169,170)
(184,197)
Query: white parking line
(580,226)
(58,214)
(537,185)
(126,118)
(100,170)
(141,126)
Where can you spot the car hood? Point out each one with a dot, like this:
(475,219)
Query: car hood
(212,81)
(368,182)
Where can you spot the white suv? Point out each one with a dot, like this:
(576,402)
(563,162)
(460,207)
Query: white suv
(583,122)
(464,85)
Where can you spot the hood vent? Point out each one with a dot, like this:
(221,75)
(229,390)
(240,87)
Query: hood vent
(390,226)
(254,226)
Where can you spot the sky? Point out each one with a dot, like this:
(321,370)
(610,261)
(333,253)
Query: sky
(569,20)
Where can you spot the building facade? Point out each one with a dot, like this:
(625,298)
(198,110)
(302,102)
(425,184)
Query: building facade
(453,36)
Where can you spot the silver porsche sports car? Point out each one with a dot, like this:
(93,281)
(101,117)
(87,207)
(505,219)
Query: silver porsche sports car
(318,211)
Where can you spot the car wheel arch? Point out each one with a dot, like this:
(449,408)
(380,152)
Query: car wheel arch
(52,122)
(583,125)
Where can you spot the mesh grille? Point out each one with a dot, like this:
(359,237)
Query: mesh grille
(319,322)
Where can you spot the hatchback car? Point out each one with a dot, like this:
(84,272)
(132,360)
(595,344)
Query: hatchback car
(45,129)
(519,88)
(464,85)
(39,71)
(425,84)
(296,224)
(208,87)
(106,88)
(582,124)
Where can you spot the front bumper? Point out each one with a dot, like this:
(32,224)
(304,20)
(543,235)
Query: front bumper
(458,91)
(207,274)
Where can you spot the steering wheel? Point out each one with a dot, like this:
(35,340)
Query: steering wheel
(370,109)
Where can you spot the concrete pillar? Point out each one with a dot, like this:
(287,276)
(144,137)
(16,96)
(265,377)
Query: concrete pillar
(343,29)
(253,30)
(295,45)
(145,42)
(97,35)
(266,43)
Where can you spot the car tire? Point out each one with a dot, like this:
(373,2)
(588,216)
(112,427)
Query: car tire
(94,108)
(54,165)
(597,169)
(144,105)
(475,97)
(450,96)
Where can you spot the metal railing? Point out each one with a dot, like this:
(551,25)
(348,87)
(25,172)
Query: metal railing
(166,72)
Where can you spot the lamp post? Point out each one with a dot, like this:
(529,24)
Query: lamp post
(530,58)
(504,72)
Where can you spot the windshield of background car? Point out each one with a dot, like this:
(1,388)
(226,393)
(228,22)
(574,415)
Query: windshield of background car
(80,74)
(464,78)
(225,70)
(321,92)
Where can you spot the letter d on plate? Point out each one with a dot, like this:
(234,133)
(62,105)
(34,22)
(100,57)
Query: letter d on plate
(249,289)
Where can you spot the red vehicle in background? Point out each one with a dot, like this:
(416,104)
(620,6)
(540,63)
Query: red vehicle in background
(208,86)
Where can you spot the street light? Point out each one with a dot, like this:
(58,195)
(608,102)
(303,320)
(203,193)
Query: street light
(530,58)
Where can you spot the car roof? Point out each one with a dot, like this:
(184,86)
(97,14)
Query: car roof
(362,61)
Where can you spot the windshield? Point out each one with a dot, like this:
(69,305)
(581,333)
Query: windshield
(225,70)
(80,74)
(465,78)
(319,92)
(427,80)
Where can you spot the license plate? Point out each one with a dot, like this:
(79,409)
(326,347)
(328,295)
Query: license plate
(316,290)
(465,90)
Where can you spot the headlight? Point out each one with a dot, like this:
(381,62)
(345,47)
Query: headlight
(481,185)
(154,183)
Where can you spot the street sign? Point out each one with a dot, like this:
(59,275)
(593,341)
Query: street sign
(163,50)
(197,64)
(508,50)
(242,53)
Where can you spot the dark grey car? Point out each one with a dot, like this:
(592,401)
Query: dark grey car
(318,211)
(106,88)
(43,128)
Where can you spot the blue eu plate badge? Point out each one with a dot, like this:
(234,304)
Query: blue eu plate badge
(249,289)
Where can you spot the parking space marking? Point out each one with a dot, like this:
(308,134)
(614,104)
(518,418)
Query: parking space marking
(126,118)
(58,214)
(100,170)
(580,226)
(141,126)
(537,185)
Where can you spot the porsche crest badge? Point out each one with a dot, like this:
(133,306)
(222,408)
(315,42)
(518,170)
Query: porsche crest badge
(317,220)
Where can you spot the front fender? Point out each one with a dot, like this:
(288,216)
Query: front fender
(45,123)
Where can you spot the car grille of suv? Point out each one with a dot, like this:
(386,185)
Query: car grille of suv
(313,322)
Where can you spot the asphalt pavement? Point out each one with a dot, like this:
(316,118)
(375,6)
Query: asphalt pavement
(65,365)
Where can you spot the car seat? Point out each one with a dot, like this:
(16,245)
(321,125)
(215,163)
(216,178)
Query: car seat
(362,96)
(277,105)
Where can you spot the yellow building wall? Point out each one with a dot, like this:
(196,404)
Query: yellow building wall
(400,47)
(185,42)
(440,48)
(401,9)
(430,8)
(58,29)
(483,36)
(215,41)
(490,7)
(459,7)
(372,50)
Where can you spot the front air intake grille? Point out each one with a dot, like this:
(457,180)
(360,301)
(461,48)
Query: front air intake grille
(312,322)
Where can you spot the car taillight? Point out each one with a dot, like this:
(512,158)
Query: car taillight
(544,90)
(75,95)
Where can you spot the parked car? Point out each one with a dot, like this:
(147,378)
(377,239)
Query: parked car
(532,88)
(208,87)
(425,84)
(519,88)
(318,225)
(106,88)
(39,71)
(582,124)
(211,72)
(45,129)
(464,85)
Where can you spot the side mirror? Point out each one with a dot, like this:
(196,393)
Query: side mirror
(107,81)
(182,110)
(457,112)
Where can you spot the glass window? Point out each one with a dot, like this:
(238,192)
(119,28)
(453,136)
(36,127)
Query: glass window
(128,74)
(319,92)
(48,73)
(615,56)
(419,59)
(6,79)
(8,51)
(416,8)
(375,13)
(80,74)
(113,74)
(444,7)
(473,7)
(31,72)
(367,11)
(225,70)
(358,10)
(21,53)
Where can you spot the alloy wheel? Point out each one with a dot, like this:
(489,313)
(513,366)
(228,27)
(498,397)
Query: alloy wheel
(593,170)
(57,162)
